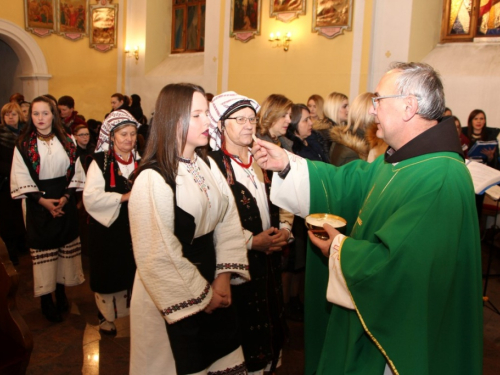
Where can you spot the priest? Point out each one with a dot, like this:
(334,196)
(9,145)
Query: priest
(401,293)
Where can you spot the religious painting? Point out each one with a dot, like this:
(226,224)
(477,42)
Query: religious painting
(332,17)
(39,16)
(72,18)
(188,26)
(489,18)
(464,20)
(103,26)
(245,19)
(287,10)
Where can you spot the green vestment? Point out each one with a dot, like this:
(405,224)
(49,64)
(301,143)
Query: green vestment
(412,264)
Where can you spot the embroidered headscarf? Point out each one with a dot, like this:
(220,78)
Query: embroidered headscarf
(221,107)
(116,118)
(104,144)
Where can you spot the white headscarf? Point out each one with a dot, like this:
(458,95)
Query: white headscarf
(114,119)
(222,106)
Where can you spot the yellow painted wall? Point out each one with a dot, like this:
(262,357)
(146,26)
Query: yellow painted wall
(158,32)
(85,74)
(425,28)
(313,64)
(367,40)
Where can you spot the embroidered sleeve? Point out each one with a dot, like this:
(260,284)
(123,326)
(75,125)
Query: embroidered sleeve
(21,182)
(337,291)
(78,180)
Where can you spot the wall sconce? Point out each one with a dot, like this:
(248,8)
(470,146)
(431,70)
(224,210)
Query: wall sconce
(135,53)
(281,41)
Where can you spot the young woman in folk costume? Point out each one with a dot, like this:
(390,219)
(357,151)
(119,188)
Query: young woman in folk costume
(259,303)
(106,194)
(45,172)
(188,246)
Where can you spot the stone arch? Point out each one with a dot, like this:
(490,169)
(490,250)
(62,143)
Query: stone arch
(33,65)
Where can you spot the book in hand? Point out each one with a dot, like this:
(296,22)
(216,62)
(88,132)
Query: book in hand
(476,151)
(483,177)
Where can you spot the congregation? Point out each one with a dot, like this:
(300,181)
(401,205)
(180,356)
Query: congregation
(194,224)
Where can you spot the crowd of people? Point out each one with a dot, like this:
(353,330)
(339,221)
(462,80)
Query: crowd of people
(196,225)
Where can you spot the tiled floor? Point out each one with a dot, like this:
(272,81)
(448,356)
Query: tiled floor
(75,346)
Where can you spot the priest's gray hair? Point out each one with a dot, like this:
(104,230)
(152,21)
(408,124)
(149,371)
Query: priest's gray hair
(422,81)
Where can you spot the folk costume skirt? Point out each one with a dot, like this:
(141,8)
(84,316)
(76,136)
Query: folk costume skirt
(54,243)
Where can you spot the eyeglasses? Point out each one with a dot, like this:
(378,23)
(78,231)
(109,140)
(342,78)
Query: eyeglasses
(83,135)
(242,120)
(376,99)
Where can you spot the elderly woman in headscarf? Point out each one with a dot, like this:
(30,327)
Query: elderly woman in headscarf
(259,303)
(106,194)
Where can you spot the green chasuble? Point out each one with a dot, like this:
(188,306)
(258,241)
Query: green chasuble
(412,264)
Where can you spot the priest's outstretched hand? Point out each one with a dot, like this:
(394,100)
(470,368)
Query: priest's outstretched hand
(324,245)
(269,156)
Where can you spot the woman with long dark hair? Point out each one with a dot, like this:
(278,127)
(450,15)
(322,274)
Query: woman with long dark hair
(188,246)
(477,130)
(45,172)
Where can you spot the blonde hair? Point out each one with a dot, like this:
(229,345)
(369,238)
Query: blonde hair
(11,107)
(359,116)
(332,106)
(272,109)
(320,102)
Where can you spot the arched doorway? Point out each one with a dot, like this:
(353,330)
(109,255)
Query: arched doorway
(26,60)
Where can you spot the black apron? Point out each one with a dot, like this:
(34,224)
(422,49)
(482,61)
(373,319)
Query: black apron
(259,302)
(112,264)
(45,232)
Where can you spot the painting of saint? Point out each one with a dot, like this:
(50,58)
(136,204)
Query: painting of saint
(40,14)
(245,15)
(72,16)
(332,12)
(103,25)
(287,5)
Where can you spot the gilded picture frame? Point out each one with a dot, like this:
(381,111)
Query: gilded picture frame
(73,18)
(287,10)
(331,18)
(245,19)
(40,17)
(103,21)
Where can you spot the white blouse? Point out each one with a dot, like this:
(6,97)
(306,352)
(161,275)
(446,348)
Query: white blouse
(169,278)
(54,162)
(103,206)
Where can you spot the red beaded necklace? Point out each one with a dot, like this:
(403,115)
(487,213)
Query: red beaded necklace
(130,159)
(246,166)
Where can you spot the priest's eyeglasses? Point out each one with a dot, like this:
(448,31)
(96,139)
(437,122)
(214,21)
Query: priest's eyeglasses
(376,99)
(241,120)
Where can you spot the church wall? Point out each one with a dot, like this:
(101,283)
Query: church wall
(425,28)
(312,65)
(90,77)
